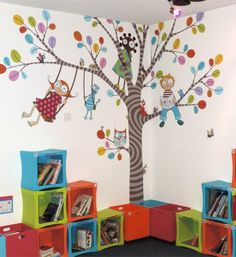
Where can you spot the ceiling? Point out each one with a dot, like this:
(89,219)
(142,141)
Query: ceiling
(138,11)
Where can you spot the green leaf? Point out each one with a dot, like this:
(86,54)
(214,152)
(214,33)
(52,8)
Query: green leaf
(215,73)
(201,28)
(190,99)
(140,29)
(118,102)
(15,56)
(108,132)
(164,36)
(32,21)
(159,74)
(94,24)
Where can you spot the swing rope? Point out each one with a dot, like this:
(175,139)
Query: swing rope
(59,72)
(84,86)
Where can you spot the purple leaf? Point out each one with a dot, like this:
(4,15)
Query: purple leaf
(181,60)
(89,40)
(103,63)
(13,75)
(199,16)
(198,90)
(41,27)
(52,41)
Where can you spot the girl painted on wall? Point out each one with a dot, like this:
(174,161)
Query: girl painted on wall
(49,106)
(168,100)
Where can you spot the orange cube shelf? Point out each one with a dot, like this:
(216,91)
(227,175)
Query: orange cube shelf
(55,236)
(136,221)
(76,189)
(213,233)
(233,155)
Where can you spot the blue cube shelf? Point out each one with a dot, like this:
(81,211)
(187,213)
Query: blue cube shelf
(233,241)
(150,203)
(89,224)
(30,161)
(211,190)
(2,246)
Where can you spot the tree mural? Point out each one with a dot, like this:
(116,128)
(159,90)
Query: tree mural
(42,44)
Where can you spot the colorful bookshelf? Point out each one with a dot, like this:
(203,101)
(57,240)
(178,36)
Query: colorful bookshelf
(115,217)
(19,240)
(31,161)
(213,235)
(233,241)
(164,221)
(189,229)
(136,221)
(74,237)
(214,206)
(36,202)
(74,191)
(56,237)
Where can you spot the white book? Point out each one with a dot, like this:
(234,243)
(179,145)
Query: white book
(57,214)
(58,164)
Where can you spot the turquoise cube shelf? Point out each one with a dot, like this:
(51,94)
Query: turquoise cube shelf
(89,224)
(233,241)
(2,246)
(209,190)
(29,163)
(150,203)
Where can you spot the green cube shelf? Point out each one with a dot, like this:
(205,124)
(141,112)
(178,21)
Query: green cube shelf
(112,215)
(189,229)
(36,202)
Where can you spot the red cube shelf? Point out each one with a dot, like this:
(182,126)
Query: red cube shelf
(54,236)
(163,221)
(21,240)
(76,189)
(213,233)
(136,221)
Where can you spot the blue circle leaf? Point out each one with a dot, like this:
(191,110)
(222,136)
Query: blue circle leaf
(110,93)
(193,70)
(154,40)
(195,109)
(34,50)
(201,66)
(104,49)
(80,45)
(7,61)
(23,75)
(29,39)
(46,15)
(185,47)
(219,90)
(175,60)
(88,18)
(111,156)
(153,85)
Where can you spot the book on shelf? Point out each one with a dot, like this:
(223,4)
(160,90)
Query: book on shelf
(84,239)
(53,209)
(46,250)
(110,232)
(43,170)
(82,205)
(221,247)
(218,205)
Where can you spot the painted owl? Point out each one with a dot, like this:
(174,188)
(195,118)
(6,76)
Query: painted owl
(119,137)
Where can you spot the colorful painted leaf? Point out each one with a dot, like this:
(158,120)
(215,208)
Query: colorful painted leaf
(159,74)
(23,75)
(209,93)
(219,59)
(119,157)
(23,29)
(41,27)
(202,104)
(201,65)
(117,21)
(34,50)
(88,18)
(101,40)
(191,53)
(185,47)
(181,60)
(215,73)
(193,70)
(154,40)
(195,109)
(103,63)
(78,36)
(13,75)
(198,90)
(100,134)
(190,99)
(189,21)
(175,59)
(18,20)
(118,101)
(94,24)
(111,156)
(176,43)
(80,45)
(153,85)
(201,28)
(108,132)
(29,39)
(194,30)
(211,62)
(52,26)
(219,90)
(15,56)
(110,93)
(107,144)
(200,16)
(152,73)
(52,41)
(161,26)
(109,21)
(95,48)
(104,49)
(120,29)
(157,32)
(89,40)
(32,21)
(2,68)
(46,15)
(164,36)
(101,151)
(140,29)
(6,61)
(210,82)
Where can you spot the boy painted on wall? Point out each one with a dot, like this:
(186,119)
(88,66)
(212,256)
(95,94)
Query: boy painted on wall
(168,100)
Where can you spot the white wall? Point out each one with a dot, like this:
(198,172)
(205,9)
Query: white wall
(184,157)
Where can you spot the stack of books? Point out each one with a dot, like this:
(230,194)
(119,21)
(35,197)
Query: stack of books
(82,205)
(221,247)
(219,205)
(48,172)
(53,209)
(110,231)
(84,240)
(48,251)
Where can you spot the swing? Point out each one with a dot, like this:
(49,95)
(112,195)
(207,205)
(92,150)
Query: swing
(92,93)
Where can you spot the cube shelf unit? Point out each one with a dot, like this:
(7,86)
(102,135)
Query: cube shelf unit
(30,162)
(234,206)
(2,246)
(164,221)
(233,155)
(150,203)
(54,236)
(19,240)
(212,190)
(233,241)
(213,232)
(36,202)
(113,215)
(88,224)
(76,189)
(136,221)
(189,229)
